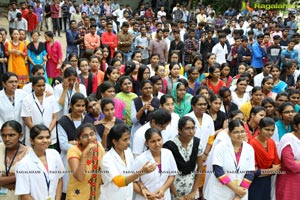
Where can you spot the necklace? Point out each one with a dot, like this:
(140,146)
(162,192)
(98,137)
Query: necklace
(75,119)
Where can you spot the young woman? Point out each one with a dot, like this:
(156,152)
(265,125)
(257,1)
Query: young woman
(107,90)
(187,151)
(219,117)
(267,162)
(127,96)
(289,149)
(16,52)
(64,91)
(73,60)
(193,84)
(109,120)
(143,74)
(210,60)
(279,85)
(225,74)
(143,106)
(205,125)
(157,183)
(174,58)
(233,166)
(112,75)
(213,81)
(93,111)
(46,182)
(251,126)
(281,97)
(40,108)
(66,128)
(197,63)
(86,78)
(239,96)
(157,83)
(118,164)
(173,76)
(227,106)
(161,72)
(54,56)
(284,125)
(105,62)
(11,151)
(11,99)
(167,102)
(182,99)
(287,74)
(98,53)
(203,90)
(269,104)
(84,161)
(37,54)
(294,97)
(267,86)
(256,98)
(95,69)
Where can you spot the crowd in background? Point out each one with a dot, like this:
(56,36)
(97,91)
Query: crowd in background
(160,102)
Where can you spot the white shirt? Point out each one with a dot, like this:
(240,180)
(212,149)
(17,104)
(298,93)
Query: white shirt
(58,90)
(28,88)
(155,180)
(112,166)
(239,101)
(224,157)
(206,130)
(39,113)
(258,79)
(220,53)
(7,110)
(31,175)
(139,138)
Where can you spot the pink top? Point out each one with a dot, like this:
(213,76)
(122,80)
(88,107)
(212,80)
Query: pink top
(119,108)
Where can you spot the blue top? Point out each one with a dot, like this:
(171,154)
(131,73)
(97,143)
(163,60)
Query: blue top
(257,55)
(282,129)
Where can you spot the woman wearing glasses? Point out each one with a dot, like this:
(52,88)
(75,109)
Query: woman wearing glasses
(233,166)
(187,151)
(84,161)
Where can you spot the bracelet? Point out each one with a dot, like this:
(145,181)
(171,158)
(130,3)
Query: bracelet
(205,154)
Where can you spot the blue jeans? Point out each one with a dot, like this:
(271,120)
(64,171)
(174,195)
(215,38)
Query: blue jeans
(127,56)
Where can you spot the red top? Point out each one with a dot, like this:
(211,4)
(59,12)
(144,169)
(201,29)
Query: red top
(215,88)
(111,40)
(265,158)
(32,21)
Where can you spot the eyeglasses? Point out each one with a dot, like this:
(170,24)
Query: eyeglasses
(86,136)
(73,60)
(194,128)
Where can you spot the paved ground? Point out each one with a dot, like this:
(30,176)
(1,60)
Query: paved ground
(62,40)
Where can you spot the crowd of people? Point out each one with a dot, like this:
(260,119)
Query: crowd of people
(153,103)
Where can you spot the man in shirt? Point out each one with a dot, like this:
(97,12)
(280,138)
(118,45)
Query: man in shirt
(142,43)
(125,40)
(82,31)
(274,51)
(191,45)
(92,40)
(32,21)
(110,38)
(72,38)
(159,46)
(220,49)
(258,53)
(12,16)
(21,23)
